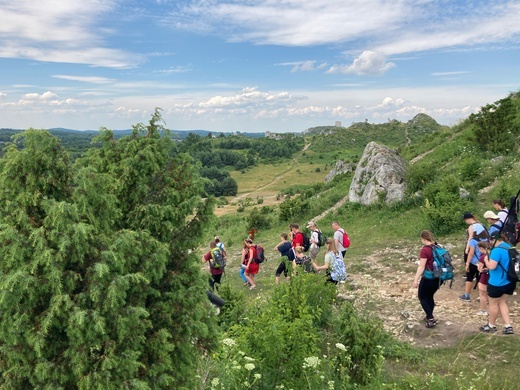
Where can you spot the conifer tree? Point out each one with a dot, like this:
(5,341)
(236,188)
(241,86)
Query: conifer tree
(97,286)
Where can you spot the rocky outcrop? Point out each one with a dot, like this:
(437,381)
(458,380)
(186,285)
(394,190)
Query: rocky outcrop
(340,167)
(379,176)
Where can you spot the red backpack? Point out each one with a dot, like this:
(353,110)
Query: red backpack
(346,239)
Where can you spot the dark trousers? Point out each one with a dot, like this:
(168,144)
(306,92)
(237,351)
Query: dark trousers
(214,279)
(427,288)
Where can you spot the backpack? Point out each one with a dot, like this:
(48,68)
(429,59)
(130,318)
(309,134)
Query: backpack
(346,239)
(442,267)
(305,262)
(322,240)
(218,260)
(260,256)
(511,225)
(306,242)
(513,270)
(339,271)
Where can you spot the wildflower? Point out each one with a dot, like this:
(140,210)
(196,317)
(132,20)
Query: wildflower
(311,362)
(331,385)
(341,346)
(229,342)
(258,376)
(214,382)
(249,366)
(249,359)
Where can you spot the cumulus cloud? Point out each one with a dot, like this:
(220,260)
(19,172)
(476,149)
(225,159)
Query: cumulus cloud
(369,63)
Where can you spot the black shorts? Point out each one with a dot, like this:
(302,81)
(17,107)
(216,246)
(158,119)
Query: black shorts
(498,291)
(473,271)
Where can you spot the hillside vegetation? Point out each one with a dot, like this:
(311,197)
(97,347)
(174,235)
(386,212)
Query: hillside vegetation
(102,286)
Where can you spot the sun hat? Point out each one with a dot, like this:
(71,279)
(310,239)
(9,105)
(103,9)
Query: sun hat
(491,215)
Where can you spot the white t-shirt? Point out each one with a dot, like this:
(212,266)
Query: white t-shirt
(314,237)
(338,235)
(502,215)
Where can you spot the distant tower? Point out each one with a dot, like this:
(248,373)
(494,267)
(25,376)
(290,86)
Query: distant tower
(337,124)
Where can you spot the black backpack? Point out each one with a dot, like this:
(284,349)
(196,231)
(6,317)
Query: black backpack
(511,225)
(513,270)
(260,256)
(306,242)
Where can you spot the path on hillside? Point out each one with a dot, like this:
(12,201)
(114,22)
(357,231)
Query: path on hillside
(278,177)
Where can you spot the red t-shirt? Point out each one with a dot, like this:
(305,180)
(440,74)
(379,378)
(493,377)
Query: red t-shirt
(214,271)
(484,276)
(297,240)
(427,253)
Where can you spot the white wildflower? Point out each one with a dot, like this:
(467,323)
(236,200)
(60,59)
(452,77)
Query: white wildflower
(311,362)
(249,366)
(229,342)
(249,359)
(258,376)
(341,346)
(214,382)
(331,385)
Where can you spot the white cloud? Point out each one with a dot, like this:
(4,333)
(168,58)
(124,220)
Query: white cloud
(304,66)
(368,63)
(85,79)
(455,73)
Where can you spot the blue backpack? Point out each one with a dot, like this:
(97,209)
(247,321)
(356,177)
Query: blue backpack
(339,271)
(442,267)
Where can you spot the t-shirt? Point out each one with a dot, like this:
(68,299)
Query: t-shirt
(284,248)
(502,215)
(338,236)
(484,276)
(476,254)
(297,240)
(314,237)
(427,253)
(213,271)
(498,276)
(495,228)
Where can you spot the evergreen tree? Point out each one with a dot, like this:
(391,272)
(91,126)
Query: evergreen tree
(97,289)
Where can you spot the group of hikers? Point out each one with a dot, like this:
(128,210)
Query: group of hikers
(487,258)
(297,250)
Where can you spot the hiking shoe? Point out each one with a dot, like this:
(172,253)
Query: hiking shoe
(488,329)
(482,313)
(465,298)
(431,323)
(508,330)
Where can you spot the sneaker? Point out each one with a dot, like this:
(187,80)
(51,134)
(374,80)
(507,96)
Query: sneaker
(252,287)
(465,298)
(482,313)
(431,323)
(488,329)
(478,299)
(508,330)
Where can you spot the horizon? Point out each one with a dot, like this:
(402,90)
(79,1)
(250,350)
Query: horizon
(252,66)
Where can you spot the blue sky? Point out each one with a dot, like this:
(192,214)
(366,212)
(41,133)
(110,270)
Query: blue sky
(250,65)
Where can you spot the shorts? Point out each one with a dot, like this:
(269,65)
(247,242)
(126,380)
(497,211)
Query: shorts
(498,291)
(473,271)
(313,253)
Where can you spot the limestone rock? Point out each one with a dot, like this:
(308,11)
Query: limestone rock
(340,167)
(379,176)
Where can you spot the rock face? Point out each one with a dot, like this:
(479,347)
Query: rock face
(340,167)
(379,176)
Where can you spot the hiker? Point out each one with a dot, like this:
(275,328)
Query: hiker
(494,223)
(479,234)
(284,247)
(315,240)
(500,206)
(301,260)
(484,277)
(296,238)
(498,286)
(332,255)
(252,267)
(338,237)
(426,287)
(216,273)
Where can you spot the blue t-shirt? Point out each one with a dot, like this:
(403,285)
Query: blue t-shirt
(498,276)
(285,248)
(494,229)
(476,254)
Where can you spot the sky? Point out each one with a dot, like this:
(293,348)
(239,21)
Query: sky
(251,65)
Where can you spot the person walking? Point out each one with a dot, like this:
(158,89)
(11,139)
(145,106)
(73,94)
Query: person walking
(500,206)
(284,247)
(495,224)
(498,286)
(339,232)
(301,260)
(314,239)
(484,278)
(425,282)
(252,267)
(330,257)
(479,234)
(216,273)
